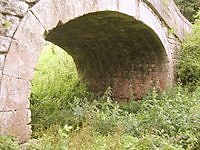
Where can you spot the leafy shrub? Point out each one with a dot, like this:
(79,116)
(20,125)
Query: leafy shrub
(188,8)
(189,65)
(55,138)
(171,116)
(164,121)
(8,143)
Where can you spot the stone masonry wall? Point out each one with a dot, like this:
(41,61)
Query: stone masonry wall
(15,107)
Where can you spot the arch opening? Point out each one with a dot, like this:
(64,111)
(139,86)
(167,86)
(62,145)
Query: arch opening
(111,49)
(55,87)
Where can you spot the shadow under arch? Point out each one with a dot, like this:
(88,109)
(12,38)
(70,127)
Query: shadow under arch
(113,49)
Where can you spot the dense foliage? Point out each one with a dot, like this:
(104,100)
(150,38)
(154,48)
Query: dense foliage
(8,143)
(189,65)
(168,121)
(188,8)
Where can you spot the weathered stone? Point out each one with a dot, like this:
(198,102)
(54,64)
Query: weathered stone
(2,60)
(90,6)
(25,49)
(15,123)
(65,7)
(25,60)
(108,5)
(30,30)
(0,78)
(45,11)
(131,9)
(171,16)
(5,43)
(74,8)
(14,94)
(83,7)
(1,74)
(8,25)
(147,16)
(13,7)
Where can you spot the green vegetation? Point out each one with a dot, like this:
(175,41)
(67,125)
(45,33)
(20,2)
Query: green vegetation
(189,65)
(8,143)
(167,121)
(188,8)
(6,24)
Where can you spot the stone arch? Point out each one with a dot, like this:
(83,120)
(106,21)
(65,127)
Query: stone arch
(111,49)
(28,41)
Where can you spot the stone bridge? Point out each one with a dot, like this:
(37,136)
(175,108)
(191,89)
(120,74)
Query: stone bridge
(130,45)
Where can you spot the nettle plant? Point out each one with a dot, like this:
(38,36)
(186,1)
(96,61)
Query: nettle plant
(189,64)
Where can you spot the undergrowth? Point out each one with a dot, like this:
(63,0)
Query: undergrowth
(189,66)
(78,120)
(167,121)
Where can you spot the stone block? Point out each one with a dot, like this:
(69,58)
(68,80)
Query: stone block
(131,9)
(0,78)
(90,6)
(30,31)
(65,7)
(74,8)
(14,93)
(77,7)
(21,60)
(15,123)
(84,7)
(47,14)
(25,50)
(108,5)
(8,25)
(5,43)
(13,7)
(2,61)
